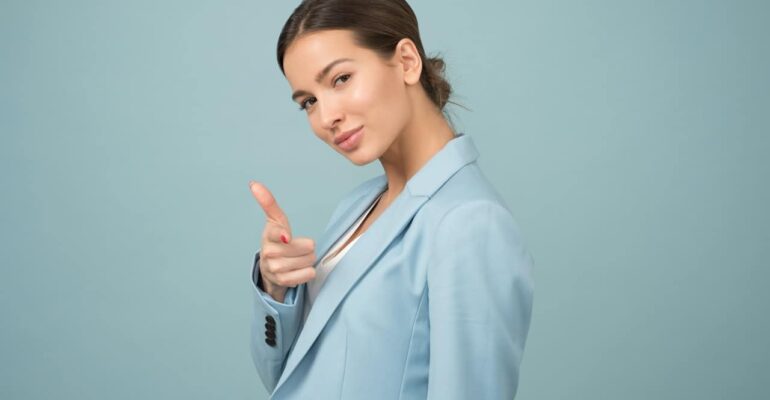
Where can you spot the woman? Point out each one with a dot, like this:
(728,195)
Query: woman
(424,289)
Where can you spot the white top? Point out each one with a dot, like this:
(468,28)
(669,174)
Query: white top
(327,264)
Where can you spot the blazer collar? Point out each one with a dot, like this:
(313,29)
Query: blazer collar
(457,153)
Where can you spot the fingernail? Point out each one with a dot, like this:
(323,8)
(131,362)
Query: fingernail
(283,238)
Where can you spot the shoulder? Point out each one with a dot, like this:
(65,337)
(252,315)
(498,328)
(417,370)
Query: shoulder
(466,191)
(471,224)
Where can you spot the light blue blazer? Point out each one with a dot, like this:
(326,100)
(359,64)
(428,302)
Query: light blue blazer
(433,301)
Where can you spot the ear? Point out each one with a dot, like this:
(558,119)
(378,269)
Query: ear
(407,55)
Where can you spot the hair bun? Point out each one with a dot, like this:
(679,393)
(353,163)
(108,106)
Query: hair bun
(435,81)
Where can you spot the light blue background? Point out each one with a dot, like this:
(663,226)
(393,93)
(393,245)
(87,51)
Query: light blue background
(630,139)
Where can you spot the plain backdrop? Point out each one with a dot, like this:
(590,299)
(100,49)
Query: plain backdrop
(629,138)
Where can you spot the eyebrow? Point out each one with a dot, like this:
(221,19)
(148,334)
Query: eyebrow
(320,76)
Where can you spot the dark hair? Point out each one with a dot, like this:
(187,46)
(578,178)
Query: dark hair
(377,25)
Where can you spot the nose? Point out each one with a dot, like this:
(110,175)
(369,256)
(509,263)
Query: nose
(331,114)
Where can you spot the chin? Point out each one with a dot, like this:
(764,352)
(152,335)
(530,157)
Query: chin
(360,163)
(360,157)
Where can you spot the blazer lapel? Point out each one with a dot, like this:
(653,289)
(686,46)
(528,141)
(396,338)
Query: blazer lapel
(456,153)
(338,228)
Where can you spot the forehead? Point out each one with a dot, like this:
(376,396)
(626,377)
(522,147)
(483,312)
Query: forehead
(307,55)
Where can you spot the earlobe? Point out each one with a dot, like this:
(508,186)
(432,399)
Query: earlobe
(410,61)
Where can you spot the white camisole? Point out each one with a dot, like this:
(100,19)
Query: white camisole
(327,264)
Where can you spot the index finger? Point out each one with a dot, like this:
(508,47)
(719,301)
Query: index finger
(268,203)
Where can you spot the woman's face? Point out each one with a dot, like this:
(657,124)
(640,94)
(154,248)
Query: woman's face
(343,87)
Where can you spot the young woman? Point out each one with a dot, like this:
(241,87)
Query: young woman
(424,286)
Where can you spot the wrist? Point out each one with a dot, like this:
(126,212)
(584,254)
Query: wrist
(276,292)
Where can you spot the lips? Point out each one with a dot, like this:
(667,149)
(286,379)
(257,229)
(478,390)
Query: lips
(344,135)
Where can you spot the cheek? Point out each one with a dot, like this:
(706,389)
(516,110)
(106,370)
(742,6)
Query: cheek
(382,101)
(362,97)
(317,127)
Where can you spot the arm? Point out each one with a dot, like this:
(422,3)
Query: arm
(269,356)
(480,292)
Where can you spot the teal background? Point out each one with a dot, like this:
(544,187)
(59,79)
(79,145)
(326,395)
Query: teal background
(630,139)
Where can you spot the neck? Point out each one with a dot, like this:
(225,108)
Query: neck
(423,137)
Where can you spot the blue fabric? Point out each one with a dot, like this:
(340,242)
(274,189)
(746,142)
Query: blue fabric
(433,301)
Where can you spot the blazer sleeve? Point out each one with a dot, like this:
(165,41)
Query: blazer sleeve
(273,330)
(480,291)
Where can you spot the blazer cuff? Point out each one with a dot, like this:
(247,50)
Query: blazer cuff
(256,277)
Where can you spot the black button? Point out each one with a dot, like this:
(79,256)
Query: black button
(269,327)
(270,320)
(270,342)
(270,334)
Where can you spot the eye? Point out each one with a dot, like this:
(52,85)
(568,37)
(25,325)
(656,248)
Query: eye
(345,76)
(304,104)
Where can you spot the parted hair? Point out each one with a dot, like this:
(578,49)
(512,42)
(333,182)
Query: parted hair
(377,25)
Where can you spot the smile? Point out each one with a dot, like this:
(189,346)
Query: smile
(352,141)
